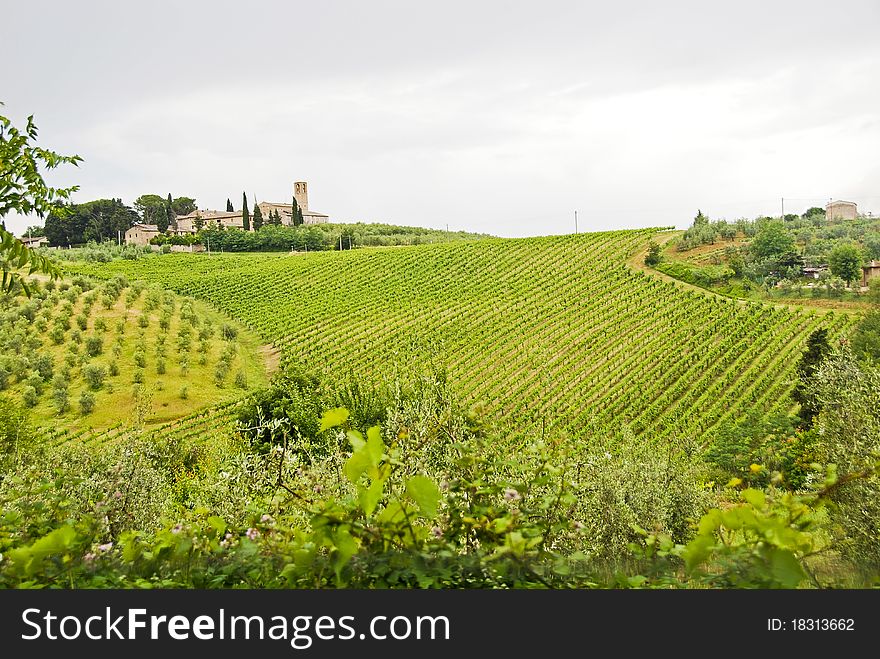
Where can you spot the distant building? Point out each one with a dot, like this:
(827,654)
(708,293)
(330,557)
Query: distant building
(141,234)
(870,271)
(36,241)
(227,220)
(814,273)
(301,194)
(841,210)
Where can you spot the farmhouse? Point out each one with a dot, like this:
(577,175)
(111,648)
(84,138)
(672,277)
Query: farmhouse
(870,271)
(36,241)
(140,234)
(189,223)
(841,210)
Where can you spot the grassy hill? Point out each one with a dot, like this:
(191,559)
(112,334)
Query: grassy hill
(93,358)
(556,332)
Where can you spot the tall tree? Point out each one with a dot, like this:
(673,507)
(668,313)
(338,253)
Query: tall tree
(293,215)
(229,208)
(24,191)
(846,262)
(151,208)
(258,217)
(198,223)
(169,212)
(772,241)
(245,214)
(184,205)
(818,349)
(296,216)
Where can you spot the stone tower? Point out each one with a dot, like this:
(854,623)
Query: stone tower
(301,193)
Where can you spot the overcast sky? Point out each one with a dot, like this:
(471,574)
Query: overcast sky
(498,117)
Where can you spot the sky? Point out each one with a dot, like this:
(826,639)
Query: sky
(495,117)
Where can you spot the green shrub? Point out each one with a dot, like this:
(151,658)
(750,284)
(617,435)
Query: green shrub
(94,346)
(86,403)
(241,379)
(36,383)
(61,399)
(94,375)
(30,396)
(45,366)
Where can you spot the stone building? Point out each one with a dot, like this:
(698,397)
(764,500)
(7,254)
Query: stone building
(301,194)
(870,271)
(35,241)
(841,210)
(140,234)
(228,220)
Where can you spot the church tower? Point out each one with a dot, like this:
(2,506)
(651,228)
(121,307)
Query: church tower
(301,194)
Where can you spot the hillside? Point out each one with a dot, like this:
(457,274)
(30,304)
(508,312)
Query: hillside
(553,331)
(86,358)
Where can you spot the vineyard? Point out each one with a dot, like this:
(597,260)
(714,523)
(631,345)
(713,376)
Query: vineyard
(552,332)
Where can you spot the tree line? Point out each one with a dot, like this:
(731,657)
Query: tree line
(106,219)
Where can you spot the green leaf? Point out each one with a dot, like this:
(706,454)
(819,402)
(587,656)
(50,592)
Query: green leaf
(218,524)
(697,551)
(333,418)
(375,446)
(425,493)
(369,497)
(754,497)
(355,439)
(346,547)
(356,465)
(786,568)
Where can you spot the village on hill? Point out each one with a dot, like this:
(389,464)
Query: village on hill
(293,214)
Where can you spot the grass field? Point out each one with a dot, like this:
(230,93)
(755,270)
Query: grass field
(555,331)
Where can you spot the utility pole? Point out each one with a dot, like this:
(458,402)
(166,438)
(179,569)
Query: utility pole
(575,221)
(783,208)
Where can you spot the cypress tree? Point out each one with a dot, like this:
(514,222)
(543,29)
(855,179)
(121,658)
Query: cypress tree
(245,215)
(818,349)
(229,208)
(295,214)
(258,217)
(169,211)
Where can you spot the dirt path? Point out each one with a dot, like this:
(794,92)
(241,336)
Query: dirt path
(271,358)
